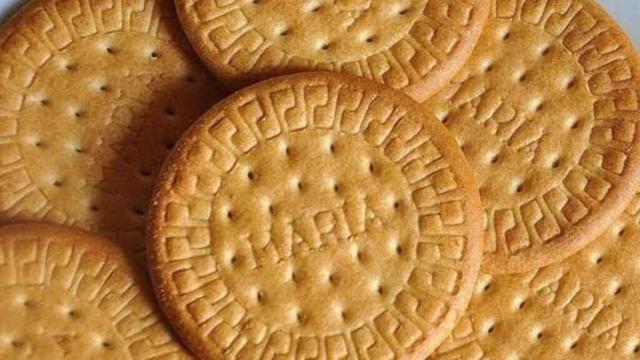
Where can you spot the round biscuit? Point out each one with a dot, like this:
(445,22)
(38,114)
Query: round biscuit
(547,111)
(316,215)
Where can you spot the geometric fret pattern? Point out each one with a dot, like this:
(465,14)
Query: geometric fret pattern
(68,294)
(88,112)
(317,216)
(585,307)
(415,46)
(547,111)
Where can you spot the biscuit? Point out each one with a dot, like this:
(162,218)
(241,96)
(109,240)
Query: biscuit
(416,46)
(585,307)
(68,294)
(547,112)
(317,215)
(92,95)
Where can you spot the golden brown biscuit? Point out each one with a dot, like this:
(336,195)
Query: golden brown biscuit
(68,294)
(585,307)
(317,215)
(415,45)
(92,96)
(547,111)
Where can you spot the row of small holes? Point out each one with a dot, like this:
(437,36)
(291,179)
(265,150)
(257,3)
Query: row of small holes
(153,54)
(69,312)
(19,343)
(287,150)
(507,35)
(137,210)
(370,39)
(317,8)
(495,157)
(284,31)
(539,334)
(112,51)
(73,67)
(570,84)
(80,150)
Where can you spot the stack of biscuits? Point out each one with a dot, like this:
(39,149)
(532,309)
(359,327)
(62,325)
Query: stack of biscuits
(319,179)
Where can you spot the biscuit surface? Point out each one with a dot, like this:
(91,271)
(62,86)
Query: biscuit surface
(414,45)
(88,110)
(585,307)
(316,215)
(67,294)
(546,110)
